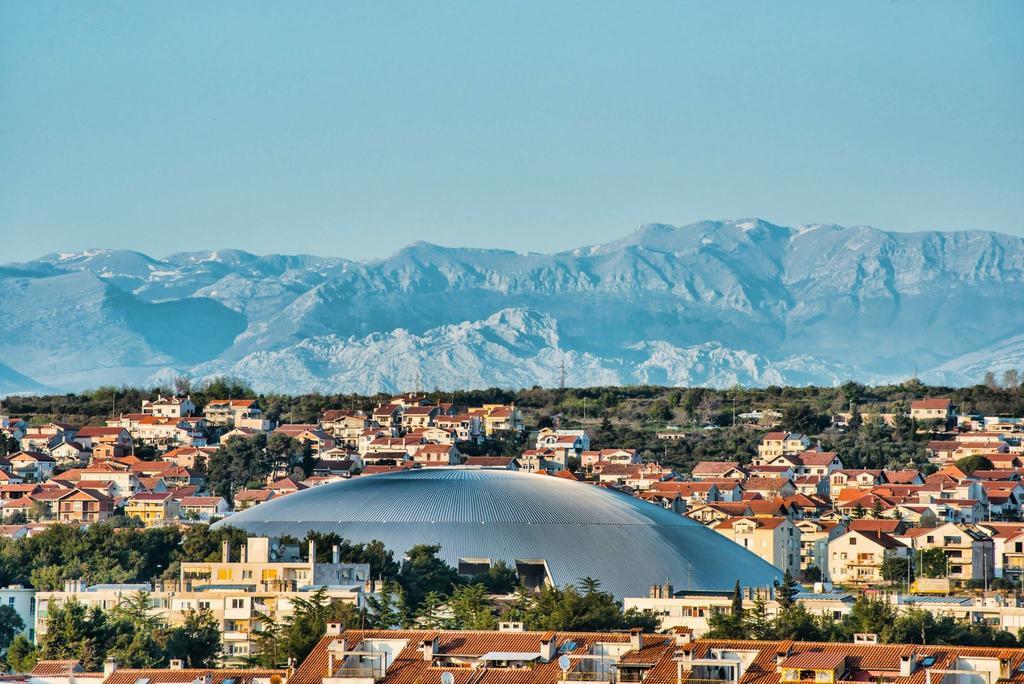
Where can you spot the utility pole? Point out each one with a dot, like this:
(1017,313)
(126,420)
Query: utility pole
(561,382)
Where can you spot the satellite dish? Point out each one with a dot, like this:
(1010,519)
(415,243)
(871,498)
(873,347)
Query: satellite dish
(447,678)
(563,662)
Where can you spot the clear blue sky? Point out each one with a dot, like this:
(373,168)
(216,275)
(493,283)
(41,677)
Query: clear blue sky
(352,128)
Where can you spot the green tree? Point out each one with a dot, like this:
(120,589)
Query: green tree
(728,624)
(269,646)
(472,609)
(196,641)
(11,625)
(933,562)
(868,615)
(799,625)
(660,411)
(74,632)
(500,578)
(969,464)
(423,572)
(569,608)
(308,622)
(787,591)
(22,655)
(756,624)
(896,569)
(802,418)
(429,616)
(382,608)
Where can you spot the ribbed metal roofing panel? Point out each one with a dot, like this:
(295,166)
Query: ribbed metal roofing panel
(578,529)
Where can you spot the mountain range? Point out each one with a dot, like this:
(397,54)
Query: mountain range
(714,303)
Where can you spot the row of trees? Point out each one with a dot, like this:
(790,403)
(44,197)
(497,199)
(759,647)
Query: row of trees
(871,615)
(115,551)
(128,633)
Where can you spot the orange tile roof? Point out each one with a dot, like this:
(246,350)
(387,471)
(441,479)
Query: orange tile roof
(187,676)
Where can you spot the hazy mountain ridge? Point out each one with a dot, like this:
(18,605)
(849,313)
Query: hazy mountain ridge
(716,302)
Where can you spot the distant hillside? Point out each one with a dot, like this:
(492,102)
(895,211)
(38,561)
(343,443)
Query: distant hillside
(715,303)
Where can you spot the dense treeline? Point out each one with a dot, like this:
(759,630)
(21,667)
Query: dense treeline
(635,405)
(115,551)
(867,615)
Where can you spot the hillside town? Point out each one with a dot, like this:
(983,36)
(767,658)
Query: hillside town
(945,539)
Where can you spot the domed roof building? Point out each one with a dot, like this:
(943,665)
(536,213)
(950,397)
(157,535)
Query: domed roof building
(549,528)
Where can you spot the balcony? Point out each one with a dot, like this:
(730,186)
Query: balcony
(356,674)
(582,677)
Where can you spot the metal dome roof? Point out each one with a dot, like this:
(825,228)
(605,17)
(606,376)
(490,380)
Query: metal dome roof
(579,530)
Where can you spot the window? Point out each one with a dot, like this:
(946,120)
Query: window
(10,601)
(853,541)
(204,605)
(237,603)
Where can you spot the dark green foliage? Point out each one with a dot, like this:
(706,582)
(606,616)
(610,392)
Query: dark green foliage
(969,464)
(11,625)
(932,563)
(500,578)
(75,632)
(101,553)
(586,608)
(472,609)
(787,590)
(22,655)
(196,641)
(896,569)
(423,572)
(802,418)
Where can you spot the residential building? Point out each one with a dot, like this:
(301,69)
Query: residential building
(779,443)
(85,506)
(970,552)
(236,413)
(925,410)
(152,508)
(169,407)
(775,539)
(203,507)
(856,557)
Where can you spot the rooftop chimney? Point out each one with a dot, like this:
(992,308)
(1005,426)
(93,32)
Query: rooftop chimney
(908,663)
(109,666)
(312,551)
(333,629)
(636,639)
(225,552)
(683,635)
(177,664)
(243,554)
(548,647)
(428,647)
(335,554)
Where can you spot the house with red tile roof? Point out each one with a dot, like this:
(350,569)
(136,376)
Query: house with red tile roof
(203,507)
(927,410)
(775,539)
(247,498)
(705,470)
